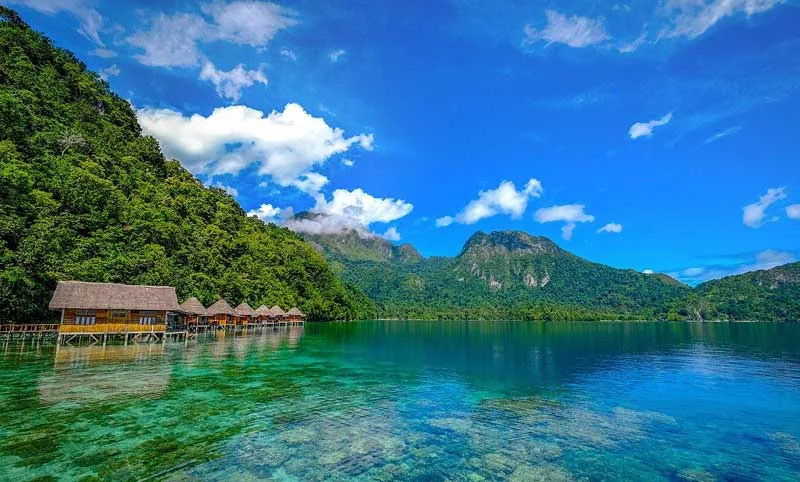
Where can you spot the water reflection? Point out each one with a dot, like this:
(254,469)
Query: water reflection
(412,401)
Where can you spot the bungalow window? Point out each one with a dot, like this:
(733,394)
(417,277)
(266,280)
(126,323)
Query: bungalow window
(85,317)
(147,318)
(119,314)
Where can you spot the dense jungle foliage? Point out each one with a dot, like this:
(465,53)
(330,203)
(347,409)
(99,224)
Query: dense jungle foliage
(83,195)
(513,275)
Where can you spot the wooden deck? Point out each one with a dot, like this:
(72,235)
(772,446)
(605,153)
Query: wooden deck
(14,330)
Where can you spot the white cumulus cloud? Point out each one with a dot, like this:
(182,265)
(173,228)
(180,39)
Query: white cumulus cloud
(611,228)
(574,31)
(648,271)
(753,214)
(505,199)
(352,210)
(287,145)
(570,214)
(645,129)
(692,18)
(230,84)
(265,212)
(444,221)
(391,234)
(348,162)
(793,211)
(363,208)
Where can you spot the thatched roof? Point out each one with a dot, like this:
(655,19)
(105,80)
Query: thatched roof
(296,312)
(276,311)
(245,310)
(262,310)
(112,296)
(221,307)
(193,307)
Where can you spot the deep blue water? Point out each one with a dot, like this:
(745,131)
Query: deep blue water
(413,401)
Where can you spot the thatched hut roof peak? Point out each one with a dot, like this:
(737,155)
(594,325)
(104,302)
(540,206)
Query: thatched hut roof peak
(277,310)
(220,307)
(193,307)
(245,310)
(296,312)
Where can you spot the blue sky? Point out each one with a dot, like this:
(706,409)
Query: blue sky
(647,135)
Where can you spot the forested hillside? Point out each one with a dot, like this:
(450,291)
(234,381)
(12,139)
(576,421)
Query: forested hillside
(505,274)
(772,294)
(513,275)
(83,195)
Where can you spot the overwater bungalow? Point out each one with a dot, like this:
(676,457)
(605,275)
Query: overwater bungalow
(262,314)
(221,314)
(295,316)
(276,314)
(246,313)
(195,313)
(109,309)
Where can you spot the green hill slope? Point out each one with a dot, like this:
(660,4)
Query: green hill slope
(772,294)
(83,195)
(505,274)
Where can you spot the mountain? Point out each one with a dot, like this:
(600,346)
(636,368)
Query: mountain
(83,195)
(506,274)
(772,294)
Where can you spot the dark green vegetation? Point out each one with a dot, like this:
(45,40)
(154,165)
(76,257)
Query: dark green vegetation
(83,195)
(772,294)
(513,275)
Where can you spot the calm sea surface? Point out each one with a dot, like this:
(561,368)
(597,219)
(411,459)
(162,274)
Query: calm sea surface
(412,401)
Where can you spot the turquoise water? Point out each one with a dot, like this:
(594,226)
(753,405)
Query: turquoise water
(412,401)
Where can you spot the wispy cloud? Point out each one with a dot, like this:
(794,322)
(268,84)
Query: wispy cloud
(289,54)
(570,214)
(692,18)
(724,133)
(173,40)
(91,22)
(753,214)
(575,31)
(611,228)
(334,55)
(645,129)
(766,259)
(793,211)
(111,71)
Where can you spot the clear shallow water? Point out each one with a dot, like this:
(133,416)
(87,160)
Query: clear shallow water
(412,401)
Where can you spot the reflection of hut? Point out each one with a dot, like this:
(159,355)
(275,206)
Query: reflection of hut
(221,314)
(112,309)
(102,374)
(245,313)
(195,312)
(262,314)
(295,316)
(276,314)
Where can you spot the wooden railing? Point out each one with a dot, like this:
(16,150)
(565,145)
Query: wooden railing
(114,328)
(28,328)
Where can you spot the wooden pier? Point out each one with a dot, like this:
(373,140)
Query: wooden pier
(31,330)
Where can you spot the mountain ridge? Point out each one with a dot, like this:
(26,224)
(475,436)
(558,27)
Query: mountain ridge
(517,274)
